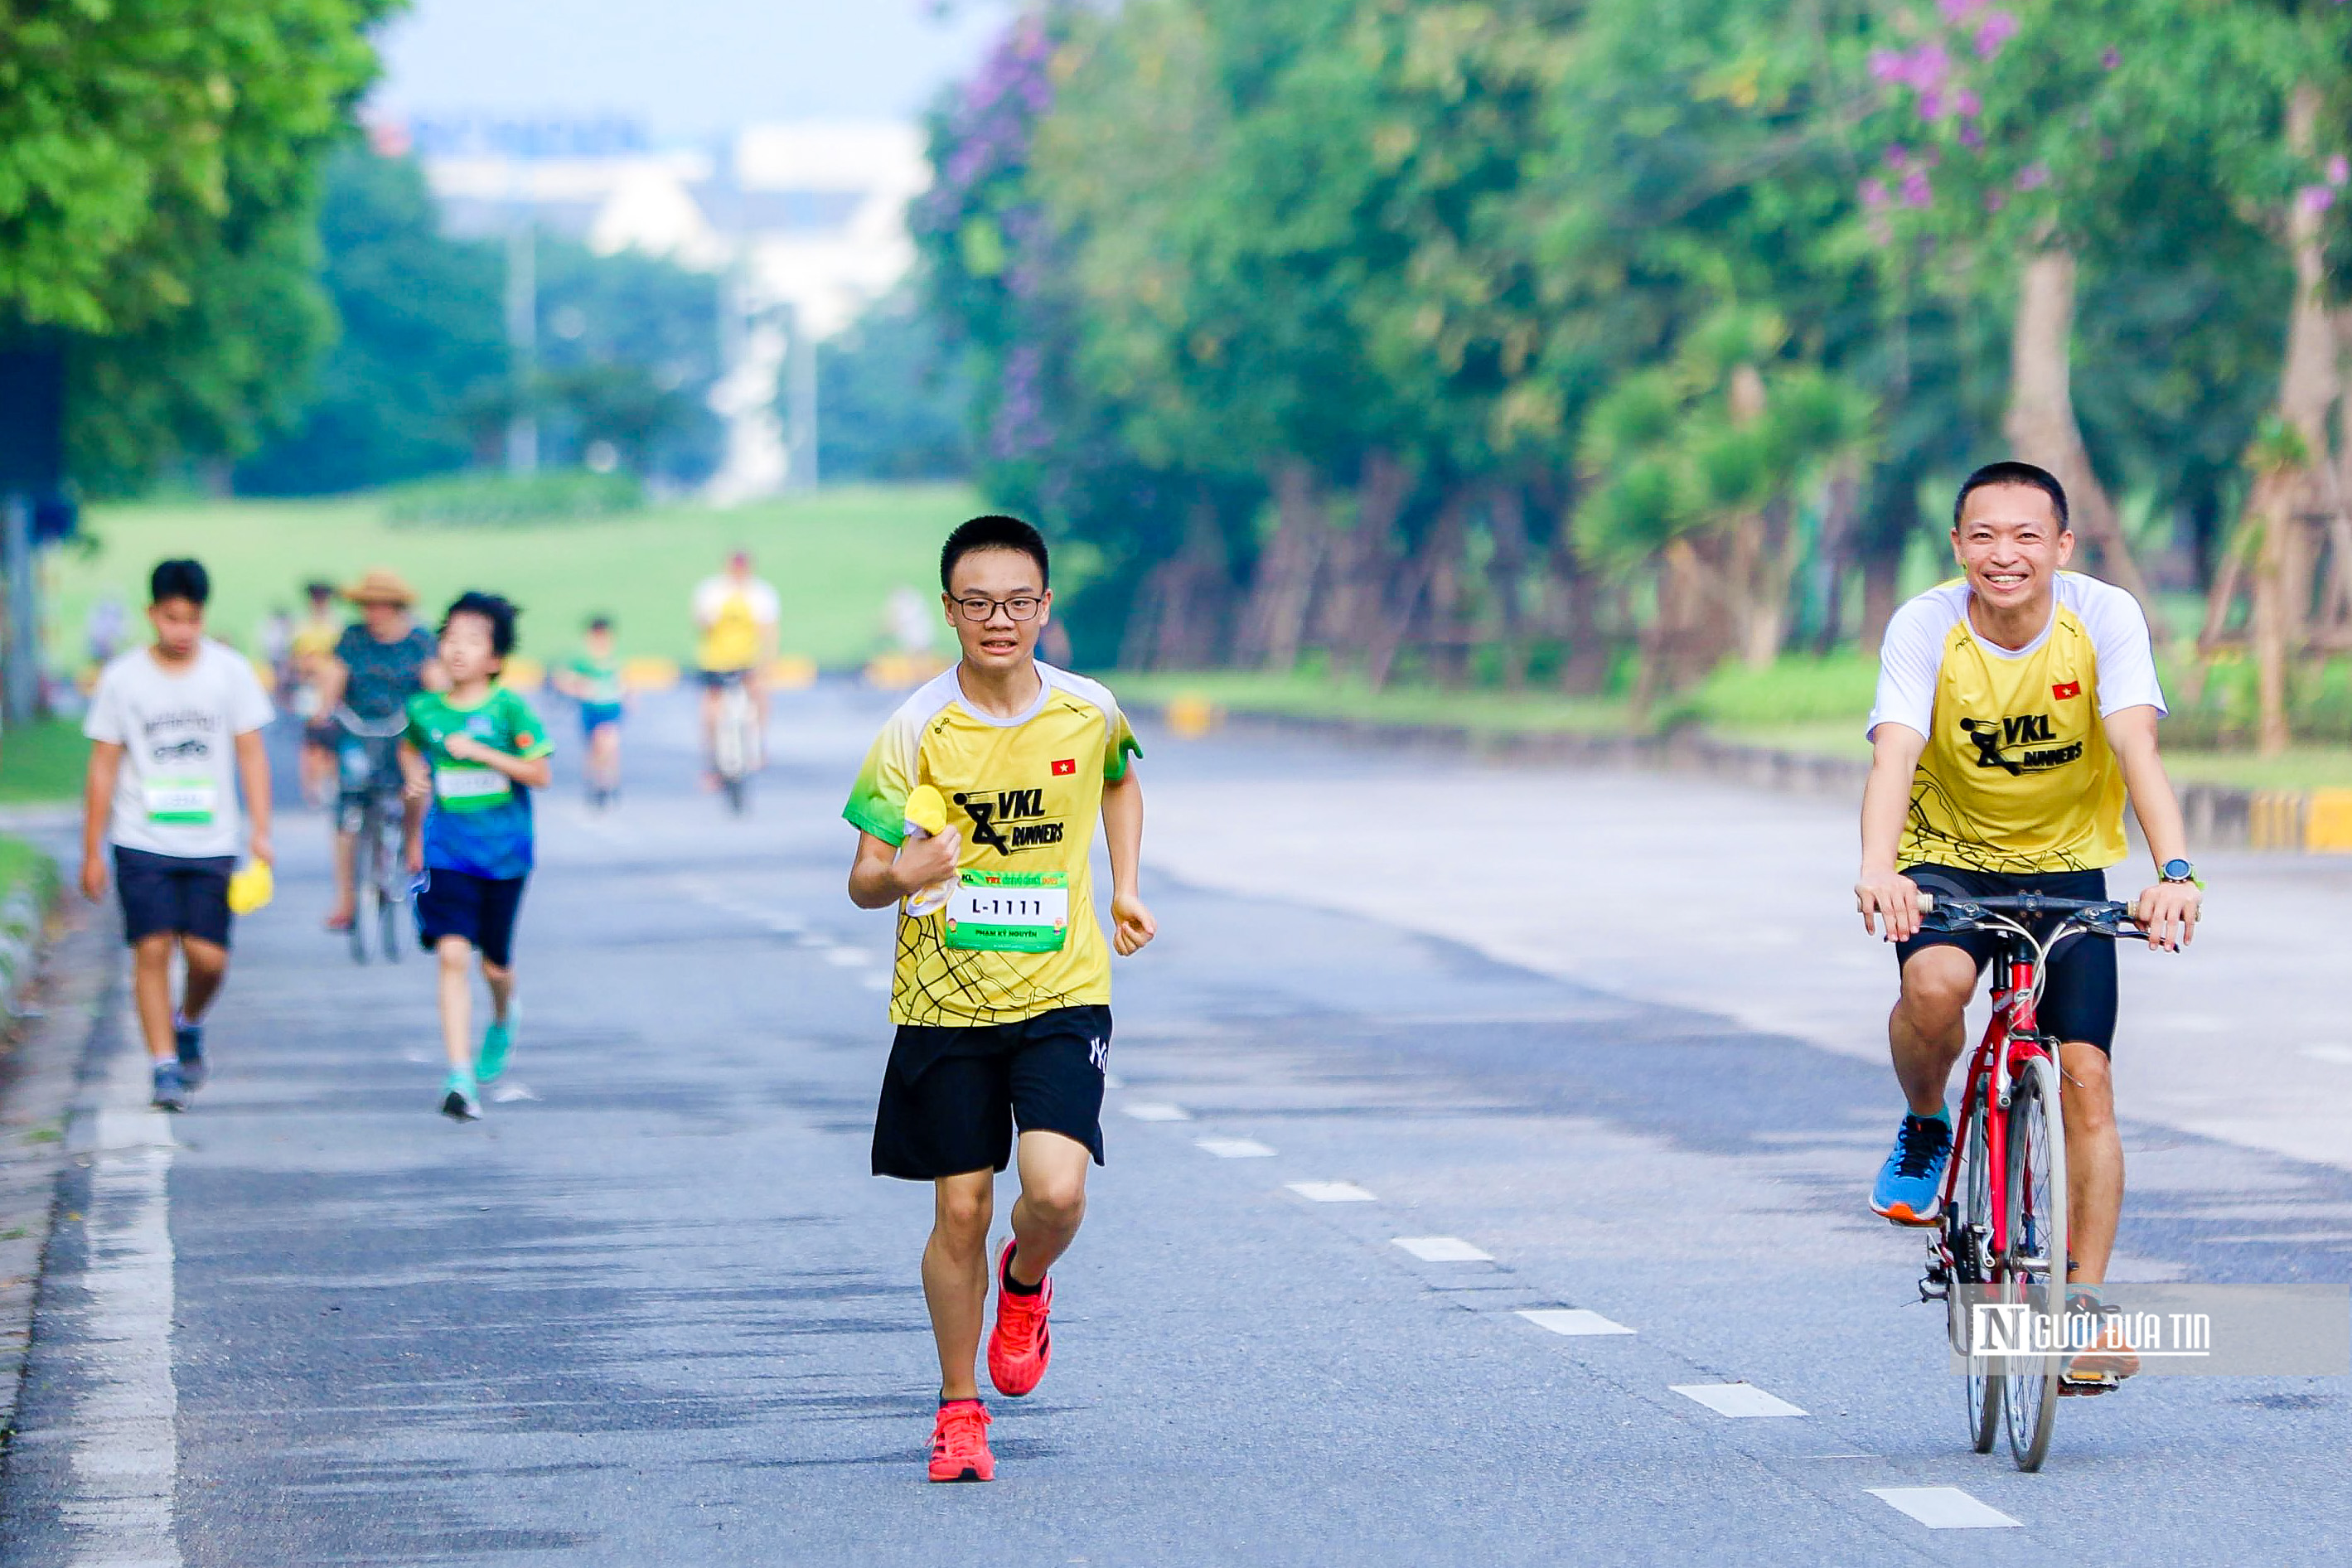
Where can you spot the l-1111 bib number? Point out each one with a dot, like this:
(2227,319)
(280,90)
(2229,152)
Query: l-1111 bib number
(1009,911)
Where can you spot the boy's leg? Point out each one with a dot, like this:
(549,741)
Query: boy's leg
(150,986)
(955,1276)
(500,979)
(1053,1203)
(207,966)
(457,956)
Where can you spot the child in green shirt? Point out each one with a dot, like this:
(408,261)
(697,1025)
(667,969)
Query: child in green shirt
(592,677)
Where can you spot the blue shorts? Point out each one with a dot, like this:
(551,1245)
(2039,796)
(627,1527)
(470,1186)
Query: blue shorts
(479,908)
(595,716)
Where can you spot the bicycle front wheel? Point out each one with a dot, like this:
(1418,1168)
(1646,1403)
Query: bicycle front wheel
(2034,1265)
(1968,1235)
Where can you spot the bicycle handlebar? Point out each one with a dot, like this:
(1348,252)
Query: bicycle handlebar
(2035,904)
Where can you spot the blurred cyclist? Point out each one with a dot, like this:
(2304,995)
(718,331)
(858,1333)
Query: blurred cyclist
(375,668)
(736,614)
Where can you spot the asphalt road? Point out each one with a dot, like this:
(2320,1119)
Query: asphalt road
(654,1310)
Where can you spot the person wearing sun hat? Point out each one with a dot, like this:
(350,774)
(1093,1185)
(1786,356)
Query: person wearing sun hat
(377,665)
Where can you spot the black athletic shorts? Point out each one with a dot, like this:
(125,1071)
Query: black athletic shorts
(479,908)
(951,1097)
(2078,1001)
(184,894)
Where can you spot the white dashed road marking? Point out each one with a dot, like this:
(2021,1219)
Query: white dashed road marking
(1236,1148)
(2339,1056)
(1736,1399)
(1146,1110)
(848,957)
(1572,1321)
(1945,1507)
(1330,1192)
(1442,1249)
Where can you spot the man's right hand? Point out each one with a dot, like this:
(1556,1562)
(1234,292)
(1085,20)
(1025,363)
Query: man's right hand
(1891,899)
(93,877)
(922,862)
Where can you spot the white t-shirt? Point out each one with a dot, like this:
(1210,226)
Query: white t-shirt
(1911,658)
(176,792)
(710,598)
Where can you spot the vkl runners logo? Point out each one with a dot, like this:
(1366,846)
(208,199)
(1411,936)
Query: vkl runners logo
(2031,730)
(1021,810)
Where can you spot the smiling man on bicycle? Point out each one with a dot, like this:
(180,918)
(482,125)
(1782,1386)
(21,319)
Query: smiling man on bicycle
(2017,708)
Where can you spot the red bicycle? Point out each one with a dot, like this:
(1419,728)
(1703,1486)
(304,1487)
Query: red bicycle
(2003,1230)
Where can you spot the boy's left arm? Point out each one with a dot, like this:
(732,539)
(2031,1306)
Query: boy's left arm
(2167,911)
(1122,815)
(253,778)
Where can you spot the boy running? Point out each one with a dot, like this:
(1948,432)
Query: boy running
(592,677)
(175,734)
(1001,998)
(471,756)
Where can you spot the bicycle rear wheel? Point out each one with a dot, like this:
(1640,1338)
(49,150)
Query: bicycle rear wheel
(2035,1262)
(1968,1237)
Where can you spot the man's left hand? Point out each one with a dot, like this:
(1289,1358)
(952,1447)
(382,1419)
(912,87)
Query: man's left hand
(1131,924)
(2168,912)
(259,848)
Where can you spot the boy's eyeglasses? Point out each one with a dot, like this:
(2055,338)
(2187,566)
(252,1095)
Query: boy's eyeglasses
(976,609)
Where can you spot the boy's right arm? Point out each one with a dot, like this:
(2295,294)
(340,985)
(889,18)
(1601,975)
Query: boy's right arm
(884,873)
(97,810)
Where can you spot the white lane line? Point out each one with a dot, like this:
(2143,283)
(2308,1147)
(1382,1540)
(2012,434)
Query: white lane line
(1236,1148)
(125,1427)
(1330,1192)
(1945,1507)
(1152,1111)
(1442,1249)
(2336,1056)
(876,982)
(1736,1399)
(1572,1321)
(848,957)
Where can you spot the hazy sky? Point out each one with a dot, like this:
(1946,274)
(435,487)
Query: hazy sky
(683,68)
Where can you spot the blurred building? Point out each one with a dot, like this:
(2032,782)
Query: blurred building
(800,224)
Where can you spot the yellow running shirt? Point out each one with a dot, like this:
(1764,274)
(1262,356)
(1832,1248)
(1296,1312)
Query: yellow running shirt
(733,614)
(2017,777)
(1021,938)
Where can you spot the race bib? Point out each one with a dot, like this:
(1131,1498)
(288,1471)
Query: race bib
(1009,911)
(186,801)
(471,785)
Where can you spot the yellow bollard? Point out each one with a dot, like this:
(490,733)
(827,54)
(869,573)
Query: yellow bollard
(793,672)
(649,672)
(523,673)
(1191,716)
(2328,822)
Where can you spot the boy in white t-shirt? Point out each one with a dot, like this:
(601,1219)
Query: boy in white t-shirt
(176,736)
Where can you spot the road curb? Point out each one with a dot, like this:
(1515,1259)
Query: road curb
(55,975)
(2219,818)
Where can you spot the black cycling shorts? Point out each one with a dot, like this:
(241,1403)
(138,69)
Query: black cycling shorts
(179,894)
(951,1097)
(481,909)
(2078,999)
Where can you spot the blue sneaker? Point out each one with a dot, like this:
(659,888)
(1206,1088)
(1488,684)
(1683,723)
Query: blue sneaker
(171,1094)
(1910,1184)
(189,1038)
(497,1041)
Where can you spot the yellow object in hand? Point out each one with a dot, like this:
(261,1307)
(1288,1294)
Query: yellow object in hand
(926,812)
(251,888)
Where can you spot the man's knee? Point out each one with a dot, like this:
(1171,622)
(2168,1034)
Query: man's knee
(154,951)
(1938,983)
(965,1207)
(2088,1098)
(205,960)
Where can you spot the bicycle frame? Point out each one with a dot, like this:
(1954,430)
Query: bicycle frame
(2012,1037)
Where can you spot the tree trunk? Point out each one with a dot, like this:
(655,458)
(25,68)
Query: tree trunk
(1179,620)
(1506,573)
(1274,620)
(1445,589)
(1834,547)
(1882,579)
(1364,560)
(2273,502)
(2040,424)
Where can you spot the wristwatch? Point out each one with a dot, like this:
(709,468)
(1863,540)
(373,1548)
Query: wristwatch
(2179,871)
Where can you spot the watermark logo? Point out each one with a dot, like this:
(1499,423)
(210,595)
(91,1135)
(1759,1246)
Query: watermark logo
(2226,1330)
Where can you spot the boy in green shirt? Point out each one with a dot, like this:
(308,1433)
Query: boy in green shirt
(471,756)
(592,677)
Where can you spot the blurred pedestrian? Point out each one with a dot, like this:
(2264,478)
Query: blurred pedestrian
(375,668)
(312,648)
(592,677)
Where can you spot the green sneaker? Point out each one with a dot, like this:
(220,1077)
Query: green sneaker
(497,1041)
(458,1100)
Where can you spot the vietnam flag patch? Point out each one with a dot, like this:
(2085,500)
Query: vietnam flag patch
(1064,767)
(2065,688)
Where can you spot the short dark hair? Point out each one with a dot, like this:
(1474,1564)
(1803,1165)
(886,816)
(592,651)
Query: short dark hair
(2008,471)
(179,580)
(319,590)
(600,623)
(994,532)
(501,613)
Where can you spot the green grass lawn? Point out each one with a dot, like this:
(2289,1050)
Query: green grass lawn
(833,557)
(42,761)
